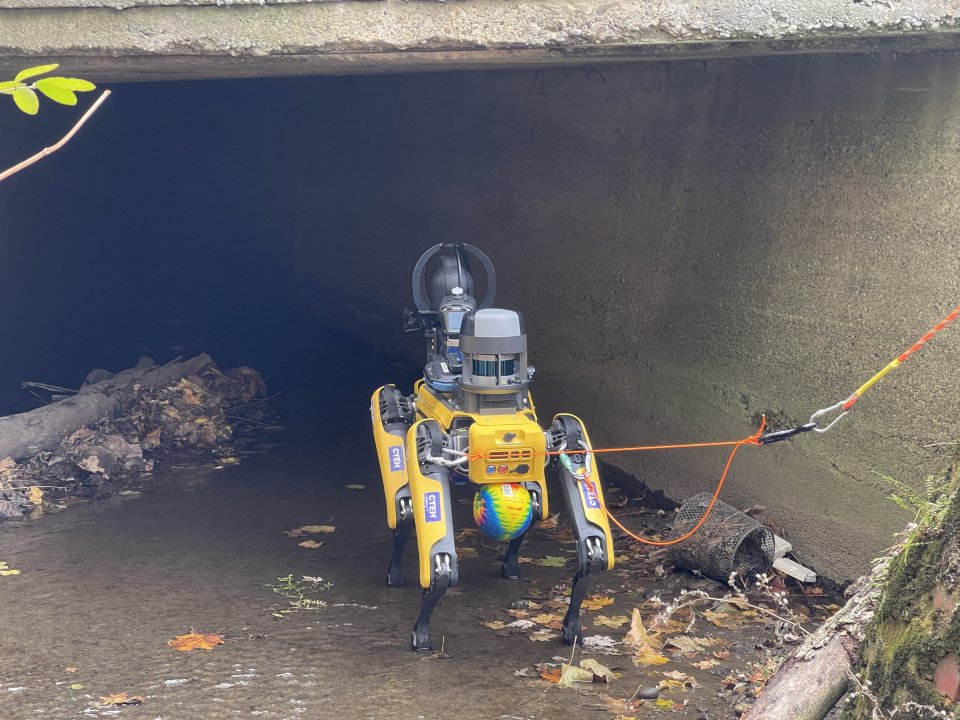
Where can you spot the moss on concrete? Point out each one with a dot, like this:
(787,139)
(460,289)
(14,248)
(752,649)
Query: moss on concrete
(909,635)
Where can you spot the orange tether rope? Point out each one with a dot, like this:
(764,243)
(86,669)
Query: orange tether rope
(737,444)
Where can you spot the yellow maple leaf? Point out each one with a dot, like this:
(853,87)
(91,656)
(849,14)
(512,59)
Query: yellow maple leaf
(595,602)
(614,621)
(195,640)
(547,618)
(646,655)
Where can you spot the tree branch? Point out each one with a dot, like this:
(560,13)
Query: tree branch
(53,148)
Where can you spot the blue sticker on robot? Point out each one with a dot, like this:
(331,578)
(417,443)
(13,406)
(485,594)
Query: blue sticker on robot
(396,458)
(589,496)
(431,506)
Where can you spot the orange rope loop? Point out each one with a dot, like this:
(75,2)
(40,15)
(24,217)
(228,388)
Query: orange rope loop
(737,444)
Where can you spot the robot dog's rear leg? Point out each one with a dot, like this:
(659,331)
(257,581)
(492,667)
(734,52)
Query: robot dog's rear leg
(510,567)
(580,483)
(400,536)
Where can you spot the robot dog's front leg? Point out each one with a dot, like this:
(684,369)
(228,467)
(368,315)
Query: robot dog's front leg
(580,483)
(430,495)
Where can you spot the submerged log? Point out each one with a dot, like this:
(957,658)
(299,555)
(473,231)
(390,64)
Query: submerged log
(25,434)
(898,631)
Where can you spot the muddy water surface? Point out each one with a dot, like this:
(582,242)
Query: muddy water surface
(104,585)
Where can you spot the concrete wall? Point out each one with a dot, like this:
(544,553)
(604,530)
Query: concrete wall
(693,244)
(183,39)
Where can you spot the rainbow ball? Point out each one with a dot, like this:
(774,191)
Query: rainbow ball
(502,511)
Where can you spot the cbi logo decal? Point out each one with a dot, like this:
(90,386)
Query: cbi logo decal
(431,506)
(589,496)
(396,458)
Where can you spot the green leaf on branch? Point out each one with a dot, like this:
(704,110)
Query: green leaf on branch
(34,71)
(27,100)
(56,91)
(7,85)
(74,84)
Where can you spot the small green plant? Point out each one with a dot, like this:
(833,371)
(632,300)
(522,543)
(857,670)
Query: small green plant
(61,90)
(929,507)
(296,591)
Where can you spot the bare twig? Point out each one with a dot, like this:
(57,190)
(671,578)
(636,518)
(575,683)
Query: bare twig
(45,386)
(53,148)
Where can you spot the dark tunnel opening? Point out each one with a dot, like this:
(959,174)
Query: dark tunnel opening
(173,224)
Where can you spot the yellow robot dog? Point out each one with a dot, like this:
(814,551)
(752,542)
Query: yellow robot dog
(472,418)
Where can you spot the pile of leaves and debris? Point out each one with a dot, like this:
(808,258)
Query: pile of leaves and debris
(671,640)
(209,416)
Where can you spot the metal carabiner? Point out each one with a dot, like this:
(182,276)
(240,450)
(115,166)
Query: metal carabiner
(825,411)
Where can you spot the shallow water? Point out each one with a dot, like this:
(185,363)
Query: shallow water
(105,584)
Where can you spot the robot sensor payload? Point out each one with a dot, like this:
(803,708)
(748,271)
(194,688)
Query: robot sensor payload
(472,418)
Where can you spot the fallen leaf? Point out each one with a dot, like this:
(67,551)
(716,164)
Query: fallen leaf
(494,624)
(682,678)
(686,644)
(551,674)
(70,669)
(355,486)
(195,640)
(705,664)
(570,675)
(120,699)
(601,673)
(595,602)
(467,552)
(637,635)
(600,643)
(310,544)
(549,523)
(293,533)
(721,619)
(552,561)
(152,439)
(91,463)
(7,570)
(614,622)
(672,686)
(646,655)
(663,704)
(543,635)
(547,618)
(522,624)
(36,495)
(317,528)
(76,686)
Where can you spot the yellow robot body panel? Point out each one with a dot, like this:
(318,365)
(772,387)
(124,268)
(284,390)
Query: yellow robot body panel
(591,495)
(433,406)
(391,453)
(503,444)
(508,448)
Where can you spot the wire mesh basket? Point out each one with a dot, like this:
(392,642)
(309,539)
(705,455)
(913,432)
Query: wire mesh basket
(728,541)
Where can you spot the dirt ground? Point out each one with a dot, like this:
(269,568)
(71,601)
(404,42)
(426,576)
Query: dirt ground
(105,584)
